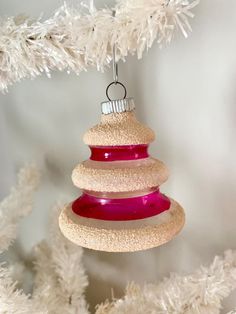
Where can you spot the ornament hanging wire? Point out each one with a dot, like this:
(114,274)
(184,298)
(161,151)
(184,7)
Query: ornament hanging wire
(115,70)
(115,66)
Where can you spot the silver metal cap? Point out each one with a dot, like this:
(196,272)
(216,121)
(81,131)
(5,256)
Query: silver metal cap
(118,105)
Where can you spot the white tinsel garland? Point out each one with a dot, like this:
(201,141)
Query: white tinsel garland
(74,41)
(60,281)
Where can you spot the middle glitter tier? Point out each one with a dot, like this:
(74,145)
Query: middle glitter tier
(120,175)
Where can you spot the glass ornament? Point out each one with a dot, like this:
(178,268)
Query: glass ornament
(121,208)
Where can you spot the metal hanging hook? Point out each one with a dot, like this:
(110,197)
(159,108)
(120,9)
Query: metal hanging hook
(115,71)
(114,62)
(115,66)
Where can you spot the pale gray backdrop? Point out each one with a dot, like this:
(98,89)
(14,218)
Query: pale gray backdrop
(185,92)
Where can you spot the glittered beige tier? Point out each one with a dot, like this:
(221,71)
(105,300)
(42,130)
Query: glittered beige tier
(120,176)
(119,129)
(122,236)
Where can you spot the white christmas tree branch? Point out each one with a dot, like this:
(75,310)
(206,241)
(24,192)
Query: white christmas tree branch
(59,280)
(74,41)
(201,292)
(17,205)
(13,300)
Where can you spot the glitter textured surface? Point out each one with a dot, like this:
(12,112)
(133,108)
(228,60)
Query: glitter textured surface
(120,176)
(122,236)
(119,129)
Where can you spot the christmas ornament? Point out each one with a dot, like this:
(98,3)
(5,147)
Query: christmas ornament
(121,208)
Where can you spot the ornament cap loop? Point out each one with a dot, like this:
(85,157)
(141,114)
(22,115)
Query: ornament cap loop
(116,83)
(117,106)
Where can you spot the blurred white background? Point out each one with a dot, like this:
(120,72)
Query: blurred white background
(185,92)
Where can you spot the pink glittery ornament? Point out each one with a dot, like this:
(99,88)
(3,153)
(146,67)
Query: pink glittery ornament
(120,188)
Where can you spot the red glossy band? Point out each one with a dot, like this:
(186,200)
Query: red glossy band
(121,209)
(114,153)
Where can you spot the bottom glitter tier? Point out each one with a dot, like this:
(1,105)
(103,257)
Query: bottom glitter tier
(122,236)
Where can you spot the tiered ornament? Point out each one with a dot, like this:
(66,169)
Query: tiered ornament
(121,208)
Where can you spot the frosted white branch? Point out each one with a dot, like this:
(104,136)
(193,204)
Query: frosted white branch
(60,277)
(60,280)
(201,292)
(13,300)
(17,205)
(74,41)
